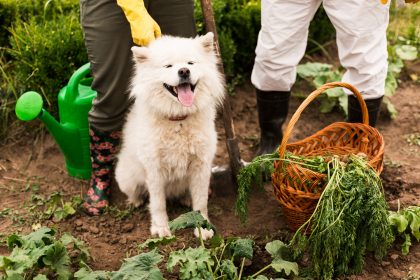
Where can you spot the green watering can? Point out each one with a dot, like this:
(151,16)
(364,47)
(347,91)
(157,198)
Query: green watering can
(72,132)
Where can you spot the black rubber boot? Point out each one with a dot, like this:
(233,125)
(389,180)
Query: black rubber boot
(272,112)
(355,112)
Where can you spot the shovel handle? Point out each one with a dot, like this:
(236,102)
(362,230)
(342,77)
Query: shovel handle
(231,141)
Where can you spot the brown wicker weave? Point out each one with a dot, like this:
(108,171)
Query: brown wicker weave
(298,189)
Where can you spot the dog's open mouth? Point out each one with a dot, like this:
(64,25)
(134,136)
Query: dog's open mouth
(184,92)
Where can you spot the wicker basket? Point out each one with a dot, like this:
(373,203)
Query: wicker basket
(298,189)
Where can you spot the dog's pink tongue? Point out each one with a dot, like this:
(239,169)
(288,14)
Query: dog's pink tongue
(185,95)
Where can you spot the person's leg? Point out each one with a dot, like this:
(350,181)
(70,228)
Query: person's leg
(108,42)
(281,45)
(175,17)
(362,47)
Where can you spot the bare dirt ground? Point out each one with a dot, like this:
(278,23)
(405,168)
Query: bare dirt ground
(31,166)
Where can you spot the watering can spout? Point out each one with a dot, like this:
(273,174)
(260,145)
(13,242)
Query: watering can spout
(68,136)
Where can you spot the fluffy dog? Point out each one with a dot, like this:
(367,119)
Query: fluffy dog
(169,139)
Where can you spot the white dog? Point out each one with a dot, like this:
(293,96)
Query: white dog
(169,139)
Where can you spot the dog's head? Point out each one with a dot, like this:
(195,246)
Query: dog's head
(177,76)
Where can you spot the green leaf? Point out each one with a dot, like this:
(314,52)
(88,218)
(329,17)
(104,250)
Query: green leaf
(69,208)
(14,240)
(40,277)
(391,84)
(143,266)
(87,274)
(216,241)
(229,269)
(152,243)
(398,221)
(395,67)
(279,252)
(286,266)
(327,104)
(406,52)
(58,259)
(406,245)
(277,249)
(42,236)
(343,102)
(79,245)
(22,259)
(261,277)
(192,262)
(14,276)
(242,248)
(414,221)
(390,107)
(312,69)
(60,214)
(192,219)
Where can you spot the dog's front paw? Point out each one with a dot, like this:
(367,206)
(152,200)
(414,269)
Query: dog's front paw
(205,233)
(160,231)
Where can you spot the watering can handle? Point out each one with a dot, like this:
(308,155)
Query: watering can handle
(72,90)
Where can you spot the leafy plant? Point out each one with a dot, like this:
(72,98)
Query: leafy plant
(261,167)
(219,261)
(140,267)
(350,218)
(319,74)
(402,50)
(40,253)
(53,207)
(45,55)
(406,223)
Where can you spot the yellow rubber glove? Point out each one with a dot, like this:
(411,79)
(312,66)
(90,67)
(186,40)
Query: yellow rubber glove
(143,28)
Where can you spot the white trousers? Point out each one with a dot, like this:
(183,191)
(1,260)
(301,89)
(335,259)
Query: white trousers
(361,39)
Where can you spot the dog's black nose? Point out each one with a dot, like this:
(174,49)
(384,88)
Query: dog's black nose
(184,72)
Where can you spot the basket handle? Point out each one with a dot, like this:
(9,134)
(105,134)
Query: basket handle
(309,99)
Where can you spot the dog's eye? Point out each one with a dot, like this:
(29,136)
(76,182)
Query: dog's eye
(168,66)
(190,62)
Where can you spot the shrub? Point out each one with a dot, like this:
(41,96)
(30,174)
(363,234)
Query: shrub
(40,10)
(45,55)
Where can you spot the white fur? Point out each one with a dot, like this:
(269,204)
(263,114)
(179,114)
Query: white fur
(164,158)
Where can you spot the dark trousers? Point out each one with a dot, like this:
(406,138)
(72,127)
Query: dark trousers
(108,41)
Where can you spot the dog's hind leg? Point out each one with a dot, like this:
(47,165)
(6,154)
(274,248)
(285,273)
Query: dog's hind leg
(130,179)
(199,188)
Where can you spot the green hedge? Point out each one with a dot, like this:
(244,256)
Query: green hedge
(46,54)
(12,11)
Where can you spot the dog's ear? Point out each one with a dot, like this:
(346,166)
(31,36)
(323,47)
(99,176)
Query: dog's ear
(140,54)
(207,41)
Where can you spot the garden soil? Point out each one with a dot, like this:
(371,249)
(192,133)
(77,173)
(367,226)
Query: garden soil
(34,165)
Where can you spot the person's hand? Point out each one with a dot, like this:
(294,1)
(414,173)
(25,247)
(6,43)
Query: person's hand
(143,27)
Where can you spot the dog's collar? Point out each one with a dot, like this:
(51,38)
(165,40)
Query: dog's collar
(178,118)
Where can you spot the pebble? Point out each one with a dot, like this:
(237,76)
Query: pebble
(123,240)
(78,223)
(394,256)
(127,227)
(385,263)
(93,229)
